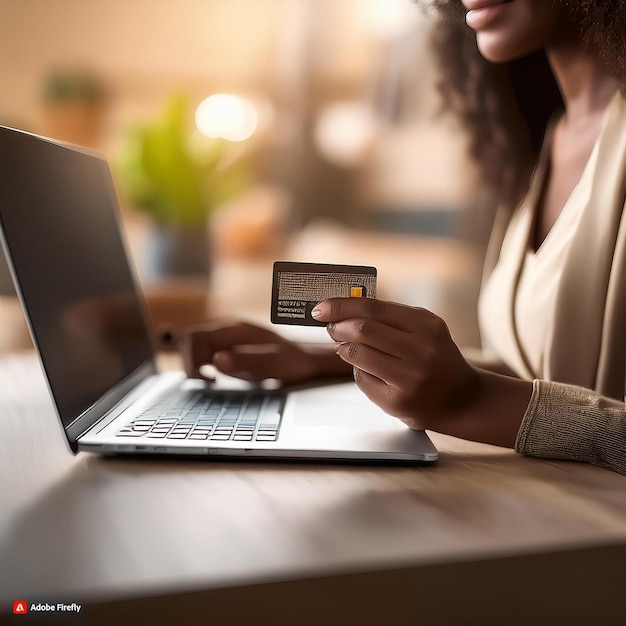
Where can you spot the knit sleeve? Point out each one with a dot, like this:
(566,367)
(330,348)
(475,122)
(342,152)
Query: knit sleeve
(575,424)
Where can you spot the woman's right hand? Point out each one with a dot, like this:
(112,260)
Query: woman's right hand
(255,353)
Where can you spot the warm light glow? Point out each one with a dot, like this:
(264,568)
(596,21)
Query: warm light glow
(227,116)
(389,18)
(344,131)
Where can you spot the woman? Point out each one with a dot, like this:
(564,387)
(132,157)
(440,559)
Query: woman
(553,306)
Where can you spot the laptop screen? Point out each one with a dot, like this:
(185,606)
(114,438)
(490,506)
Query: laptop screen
(59,217)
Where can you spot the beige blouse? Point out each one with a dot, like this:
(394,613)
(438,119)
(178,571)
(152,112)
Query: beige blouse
(518,334)
(576,352)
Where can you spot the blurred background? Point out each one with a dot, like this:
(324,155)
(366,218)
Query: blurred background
(240,132)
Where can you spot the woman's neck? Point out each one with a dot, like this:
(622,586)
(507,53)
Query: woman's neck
(587,91)
(585,85)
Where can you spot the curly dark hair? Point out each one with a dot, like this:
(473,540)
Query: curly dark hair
(605,34)
(506,107)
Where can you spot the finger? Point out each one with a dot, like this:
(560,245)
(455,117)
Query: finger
(389,369)
(375,334)
(195,353)
(385,397)
(199,344)
(375,390)
(255,362)
(223,335)
(391,313)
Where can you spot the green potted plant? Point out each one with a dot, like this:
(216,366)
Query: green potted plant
(178,177)
(74,105)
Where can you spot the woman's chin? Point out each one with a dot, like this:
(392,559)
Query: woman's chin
(498,49)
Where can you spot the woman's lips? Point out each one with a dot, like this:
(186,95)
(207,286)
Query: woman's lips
(474,5)
(482,12)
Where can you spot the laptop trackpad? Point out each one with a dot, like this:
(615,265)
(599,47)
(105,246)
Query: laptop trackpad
(341,405)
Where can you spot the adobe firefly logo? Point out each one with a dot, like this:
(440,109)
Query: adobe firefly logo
(20,607)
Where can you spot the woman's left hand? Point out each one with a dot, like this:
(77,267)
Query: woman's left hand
(404,359)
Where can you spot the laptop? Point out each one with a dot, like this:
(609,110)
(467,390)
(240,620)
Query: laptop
(60,227)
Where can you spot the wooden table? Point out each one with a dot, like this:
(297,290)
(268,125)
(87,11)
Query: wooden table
(483,537)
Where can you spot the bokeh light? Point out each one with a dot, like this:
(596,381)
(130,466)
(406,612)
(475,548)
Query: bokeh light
(227,116)
(344,131)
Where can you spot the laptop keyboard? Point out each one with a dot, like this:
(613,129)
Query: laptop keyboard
(224,416)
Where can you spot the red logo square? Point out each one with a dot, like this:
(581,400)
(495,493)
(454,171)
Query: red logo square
(20,607)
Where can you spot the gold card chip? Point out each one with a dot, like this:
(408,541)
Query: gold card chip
(356,292)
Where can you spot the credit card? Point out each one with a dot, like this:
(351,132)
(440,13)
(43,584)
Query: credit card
(298,287)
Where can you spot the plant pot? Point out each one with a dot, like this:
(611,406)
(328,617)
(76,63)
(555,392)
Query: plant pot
(176,251)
